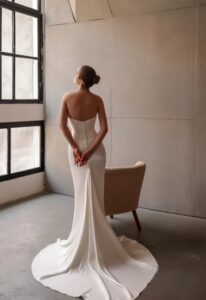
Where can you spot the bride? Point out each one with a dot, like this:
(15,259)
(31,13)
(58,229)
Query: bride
(92,262)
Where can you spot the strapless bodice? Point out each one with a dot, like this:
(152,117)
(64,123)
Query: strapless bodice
(83,132)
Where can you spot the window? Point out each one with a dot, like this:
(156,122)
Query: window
(21,143)
(21,149)
(20,51)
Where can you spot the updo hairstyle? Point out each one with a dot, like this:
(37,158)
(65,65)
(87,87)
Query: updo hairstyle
(88,75)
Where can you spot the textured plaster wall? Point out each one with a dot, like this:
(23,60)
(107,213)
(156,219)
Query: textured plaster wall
(151,59)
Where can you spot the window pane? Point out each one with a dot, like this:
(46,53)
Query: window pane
(26,78)
(6,77)
(6,30)
(3,151)
(26,34)
(30,3)
(25,148)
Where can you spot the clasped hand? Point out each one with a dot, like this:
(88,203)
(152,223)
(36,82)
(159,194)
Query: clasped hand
(81,158)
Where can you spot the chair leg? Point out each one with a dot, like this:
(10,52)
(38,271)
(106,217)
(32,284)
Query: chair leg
(111,216)
(136,220)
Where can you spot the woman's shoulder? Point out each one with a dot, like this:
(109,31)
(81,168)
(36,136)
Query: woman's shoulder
(96,97)
(69,93)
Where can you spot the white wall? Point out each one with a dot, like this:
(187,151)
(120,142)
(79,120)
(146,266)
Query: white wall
(151,59)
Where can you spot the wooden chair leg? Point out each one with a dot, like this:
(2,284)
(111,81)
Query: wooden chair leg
(136,220)
(111,216)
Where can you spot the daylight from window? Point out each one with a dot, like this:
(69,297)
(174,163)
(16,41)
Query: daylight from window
(20,146)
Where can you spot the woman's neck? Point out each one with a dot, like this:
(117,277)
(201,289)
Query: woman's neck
(83,88)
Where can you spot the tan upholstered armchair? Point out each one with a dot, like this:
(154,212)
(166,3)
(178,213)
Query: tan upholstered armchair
(122,189)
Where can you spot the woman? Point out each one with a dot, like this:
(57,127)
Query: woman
(81,105)
(92,263)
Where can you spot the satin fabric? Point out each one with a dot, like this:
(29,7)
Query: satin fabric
(92,262)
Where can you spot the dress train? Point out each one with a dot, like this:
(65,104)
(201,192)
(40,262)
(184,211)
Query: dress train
(93,263)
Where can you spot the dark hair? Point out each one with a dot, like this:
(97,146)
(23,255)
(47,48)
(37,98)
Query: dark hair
(88,75)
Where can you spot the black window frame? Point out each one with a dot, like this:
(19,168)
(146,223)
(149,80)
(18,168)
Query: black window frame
(8,126)
(15,7)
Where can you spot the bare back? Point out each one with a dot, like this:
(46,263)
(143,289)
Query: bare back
(82,105)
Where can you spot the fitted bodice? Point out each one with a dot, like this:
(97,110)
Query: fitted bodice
(83,132)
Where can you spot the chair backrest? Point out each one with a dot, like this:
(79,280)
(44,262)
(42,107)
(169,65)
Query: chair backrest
(122,188)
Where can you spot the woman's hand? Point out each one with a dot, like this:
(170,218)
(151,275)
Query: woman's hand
(77,156)
(84,157)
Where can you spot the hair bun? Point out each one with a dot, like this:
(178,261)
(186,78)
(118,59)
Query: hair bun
(96,79)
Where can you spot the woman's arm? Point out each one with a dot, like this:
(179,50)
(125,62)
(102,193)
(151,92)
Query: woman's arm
(103,129)
(63,117)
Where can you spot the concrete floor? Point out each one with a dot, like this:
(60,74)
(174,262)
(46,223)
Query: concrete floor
(177,242)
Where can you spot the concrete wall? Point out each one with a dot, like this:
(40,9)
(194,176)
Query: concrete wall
(151,59)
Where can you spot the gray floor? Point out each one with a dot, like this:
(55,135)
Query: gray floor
(177,242)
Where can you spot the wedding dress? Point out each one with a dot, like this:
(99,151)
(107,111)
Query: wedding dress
(93,263)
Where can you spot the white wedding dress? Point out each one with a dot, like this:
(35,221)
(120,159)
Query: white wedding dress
(93,263)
